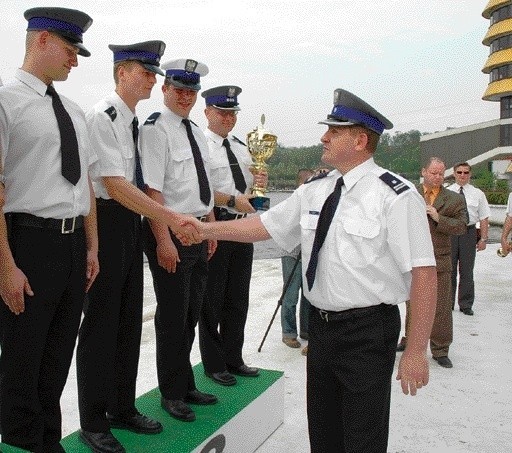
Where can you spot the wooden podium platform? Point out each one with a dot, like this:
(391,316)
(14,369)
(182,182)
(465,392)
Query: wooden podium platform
(245,416)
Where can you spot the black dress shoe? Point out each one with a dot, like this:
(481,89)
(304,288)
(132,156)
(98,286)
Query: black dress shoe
(137,423)
(244,370)
(178,409)
(467,311)
(101,442)
(222,378)
(444,361)
(197,397)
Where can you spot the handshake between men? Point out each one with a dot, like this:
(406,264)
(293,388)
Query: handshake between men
(190,231)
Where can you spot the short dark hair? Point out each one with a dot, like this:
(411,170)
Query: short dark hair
(373,137)
(461,164)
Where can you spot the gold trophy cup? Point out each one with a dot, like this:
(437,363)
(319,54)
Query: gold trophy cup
(261,144)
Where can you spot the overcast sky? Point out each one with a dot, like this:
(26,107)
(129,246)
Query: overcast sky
(418,62)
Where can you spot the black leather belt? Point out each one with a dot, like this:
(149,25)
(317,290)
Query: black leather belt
(224,214)
(470,227)
(109,202)
(333,316)
(66,226)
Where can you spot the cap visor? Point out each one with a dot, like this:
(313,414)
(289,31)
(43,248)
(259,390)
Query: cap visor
(81,49)
(333,122)
(153,68)
(178,84)
(234,108)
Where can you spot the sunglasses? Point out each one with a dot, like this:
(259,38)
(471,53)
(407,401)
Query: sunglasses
(462,172)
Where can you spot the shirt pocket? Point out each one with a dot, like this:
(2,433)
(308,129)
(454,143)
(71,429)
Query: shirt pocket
(362,247)
(128,156)
(309,220)
(184,168)
(366,229)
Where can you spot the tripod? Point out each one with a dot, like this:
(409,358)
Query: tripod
(280,301)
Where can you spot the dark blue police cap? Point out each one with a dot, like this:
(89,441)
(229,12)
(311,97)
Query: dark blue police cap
(148,53)
(185,73)
(70,24)
(350,110)
(223,97)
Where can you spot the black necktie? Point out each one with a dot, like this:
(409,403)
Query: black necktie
(461,191)
(322,227)
(238,177)
(204,188)
(68,142)
(139,179)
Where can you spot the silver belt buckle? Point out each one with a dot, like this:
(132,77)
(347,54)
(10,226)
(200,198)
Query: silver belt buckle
(63,229)
(324,315)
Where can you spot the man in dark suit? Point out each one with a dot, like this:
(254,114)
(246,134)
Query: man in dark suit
(447,216)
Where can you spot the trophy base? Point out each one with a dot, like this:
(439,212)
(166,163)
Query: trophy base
(260,203)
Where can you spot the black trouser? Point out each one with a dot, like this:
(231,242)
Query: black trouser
(349,368)
(463,263)
(179,297)
(37,345)
(109,338)
(224,312)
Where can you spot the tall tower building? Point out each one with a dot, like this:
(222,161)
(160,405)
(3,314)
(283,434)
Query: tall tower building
(499,63)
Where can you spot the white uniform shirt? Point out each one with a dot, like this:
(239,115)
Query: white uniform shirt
(31,156)
(375,239)
(478,207)
(168,165)
(113,141)
(221,175)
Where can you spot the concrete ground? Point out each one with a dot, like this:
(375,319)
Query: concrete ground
(463,409)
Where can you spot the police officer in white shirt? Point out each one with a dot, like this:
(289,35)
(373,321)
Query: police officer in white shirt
(465,246)
(377,253)
(109,339)
(224,313)
(49,258)
(176,166)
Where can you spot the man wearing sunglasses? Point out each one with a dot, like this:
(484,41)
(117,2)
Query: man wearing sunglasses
(465,246)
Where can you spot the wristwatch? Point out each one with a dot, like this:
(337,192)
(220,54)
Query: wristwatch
(231,202)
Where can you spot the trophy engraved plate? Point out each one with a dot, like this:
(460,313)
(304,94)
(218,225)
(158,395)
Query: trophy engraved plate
(262,145)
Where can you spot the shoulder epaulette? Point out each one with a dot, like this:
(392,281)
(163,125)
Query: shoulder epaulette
(152,118)
(236,139)
(111,111)
(317,177)
(395,183)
